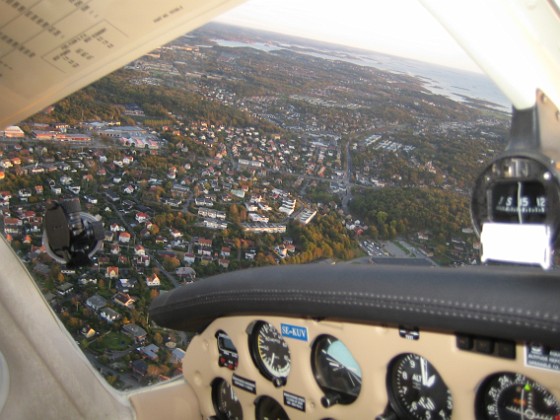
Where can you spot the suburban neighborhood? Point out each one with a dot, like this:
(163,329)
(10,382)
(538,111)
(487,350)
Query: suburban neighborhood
(195,168)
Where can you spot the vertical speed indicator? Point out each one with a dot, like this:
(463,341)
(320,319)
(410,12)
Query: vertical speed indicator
(270,352)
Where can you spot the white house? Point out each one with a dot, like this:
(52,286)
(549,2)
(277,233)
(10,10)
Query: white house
(124,237)
(141,217)
(153,281)
(109,315)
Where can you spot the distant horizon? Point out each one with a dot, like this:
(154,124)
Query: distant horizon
(477,71)
(401,28)
(455,83)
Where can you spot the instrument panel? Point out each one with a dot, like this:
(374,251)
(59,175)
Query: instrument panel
(301,368)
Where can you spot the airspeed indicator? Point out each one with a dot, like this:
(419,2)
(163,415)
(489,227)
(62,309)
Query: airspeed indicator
(270,352)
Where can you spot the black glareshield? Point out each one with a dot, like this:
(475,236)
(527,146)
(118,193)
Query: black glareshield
(515,204)
(71,236)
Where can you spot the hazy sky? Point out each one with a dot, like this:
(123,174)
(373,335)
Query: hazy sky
(398,27)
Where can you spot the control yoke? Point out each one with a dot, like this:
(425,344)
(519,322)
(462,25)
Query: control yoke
(515,205)
(71,236)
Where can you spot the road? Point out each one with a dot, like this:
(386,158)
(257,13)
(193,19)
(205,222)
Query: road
(347,178)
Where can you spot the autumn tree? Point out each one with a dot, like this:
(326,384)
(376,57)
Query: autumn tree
(171,263)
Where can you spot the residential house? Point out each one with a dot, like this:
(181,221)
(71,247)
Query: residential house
(112,272)
(177,356)
(176,234)
(65,289)
(96,302)
(126,285)
(150,351)
(142,217)
(113,197)
(88,332)
(90,199)
(123,299)
(41,269)
(104,260)
(109,315)
(291,248)
(5,195)
(255,217)
(250,254)
(124,237)
(115,249)
(205,260)
(87,279)
(13,226)
(142,260)
(35,225)
(205,252)
(115,227)
(139,368)
(225,252)
(185,272)
(139,250)
(204,243)
(28,215)
(137,333)
(153,280)
(281,251)
(189,258)
(214,224)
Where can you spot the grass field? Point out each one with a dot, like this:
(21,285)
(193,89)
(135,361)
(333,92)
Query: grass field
(112,341)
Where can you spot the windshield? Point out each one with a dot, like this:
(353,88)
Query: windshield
(231,148)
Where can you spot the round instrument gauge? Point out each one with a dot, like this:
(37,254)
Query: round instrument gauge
(270,352)
(269,409)
(416,390)
(513,396)
(225,401)
(336,371)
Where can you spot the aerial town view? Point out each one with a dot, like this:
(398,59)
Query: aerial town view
(229,149)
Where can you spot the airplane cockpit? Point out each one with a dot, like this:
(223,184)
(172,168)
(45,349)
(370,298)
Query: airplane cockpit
(319,340)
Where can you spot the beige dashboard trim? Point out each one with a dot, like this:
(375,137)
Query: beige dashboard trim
(372,346)
(173,400)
